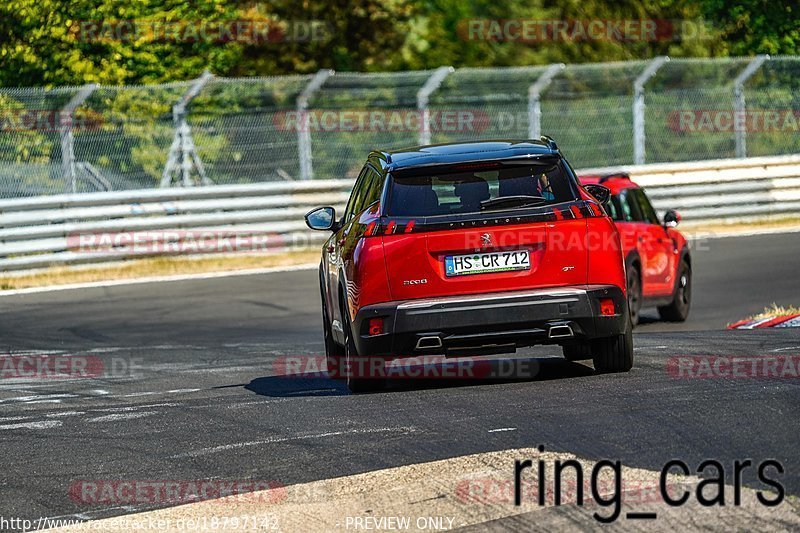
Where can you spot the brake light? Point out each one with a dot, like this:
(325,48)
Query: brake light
(607,307)
(476,166)
(375,326)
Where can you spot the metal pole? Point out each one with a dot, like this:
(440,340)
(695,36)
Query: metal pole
(67,139)
(182,152)
(303,133)
(739,108)
(423,96)
(638,107)
(534,99)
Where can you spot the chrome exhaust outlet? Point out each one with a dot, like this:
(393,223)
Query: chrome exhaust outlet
(560,331)
(429,343)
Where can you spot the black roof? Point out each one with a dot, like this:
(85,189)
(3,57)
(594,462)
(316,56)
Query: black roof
(465,152)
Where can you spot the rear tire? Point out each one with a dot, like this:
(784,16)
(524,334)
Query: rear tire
(634,293)
(678,310)
(356,384)
(613,354)
(334,353)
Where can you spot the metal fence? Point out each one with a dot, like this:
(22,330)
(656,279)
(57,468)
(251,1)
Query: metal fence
(92,228)
(250,130)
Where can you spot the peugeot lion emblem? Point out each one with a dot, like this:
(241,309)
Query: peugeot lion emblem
(486,239)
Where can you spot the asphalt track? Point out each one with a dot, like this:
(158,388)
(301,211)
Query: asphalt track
(200,398)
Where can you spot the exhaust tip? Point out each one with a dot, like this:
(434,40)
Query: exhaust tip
(429,342)
(560,331)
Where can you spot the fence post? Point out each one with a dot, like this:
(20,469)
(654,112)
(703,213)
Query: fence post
(423,95)
(535,99)
(739,108)
(183,153)
(65,118)
(303,133)
(638,107)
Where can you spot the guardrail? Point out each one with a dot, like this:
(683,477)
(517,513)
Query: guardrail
(69,229)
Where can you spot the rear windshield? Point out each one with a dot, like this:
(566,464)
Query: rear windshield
(449,193)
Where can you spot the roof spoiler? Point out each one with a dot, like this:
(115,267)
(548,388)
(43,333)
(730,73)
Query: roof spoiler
(549,142)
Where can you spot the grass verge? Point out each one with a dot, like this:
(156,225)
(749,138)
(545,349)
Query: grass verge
(776,310)
(156,266)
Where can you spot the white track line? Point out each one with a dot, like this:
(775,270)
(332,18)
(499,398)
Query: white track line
(160,279)
(44,424)
(208,451)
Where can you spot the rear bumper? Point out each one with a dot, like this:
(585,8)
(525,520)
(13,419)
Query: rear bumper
(490,323)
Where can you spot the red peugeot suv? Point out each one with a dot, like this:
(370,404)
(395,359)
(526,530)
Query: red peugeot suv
(657,259)
(471,249)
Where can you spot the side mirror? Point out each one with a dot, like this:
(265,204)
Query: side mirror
(671,218)
(321,218)
(601,194)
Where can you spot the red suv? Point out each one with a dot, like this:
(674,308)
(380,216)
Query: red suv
(657,259)
(471,249)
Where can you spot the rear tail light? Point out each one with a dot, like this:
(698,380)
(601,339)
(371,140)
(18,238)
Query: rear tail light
(376,326)
(410,226)
(607,307)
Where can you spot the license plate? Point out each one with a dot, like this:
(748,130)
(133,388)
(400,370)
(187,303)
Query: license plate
(462,265)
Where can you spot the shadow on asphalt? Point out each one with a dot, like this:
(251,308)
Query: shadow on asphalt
(429,376)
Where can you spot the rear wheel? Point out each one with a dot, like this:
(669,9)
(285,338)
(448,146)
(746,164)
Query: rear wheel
(334,353)
(678,310)
(357,383)
(634,293)
(613,354)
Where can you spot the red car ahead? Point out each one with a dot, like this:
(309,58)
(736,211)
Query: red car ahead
(471,249)
(657,259)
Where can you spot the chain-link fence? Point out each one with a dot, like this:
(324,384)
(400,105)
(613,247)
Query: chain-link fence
(225,131)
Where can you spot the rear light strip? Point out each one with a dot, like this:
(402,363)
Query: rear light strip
(577,210)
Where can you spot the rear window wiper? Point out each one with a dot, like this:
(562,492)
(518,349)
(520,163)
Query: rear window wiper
(522,200)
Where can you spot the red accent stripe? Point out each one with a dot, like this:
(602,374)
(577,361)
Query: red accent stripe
(775,321)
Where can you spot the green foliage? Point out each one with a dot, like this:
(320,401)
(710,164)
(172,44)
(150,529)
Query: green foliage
(51,42)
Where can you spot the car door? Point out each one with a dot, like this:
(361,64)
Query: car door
(338,245)
(349,239)
(655,246)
